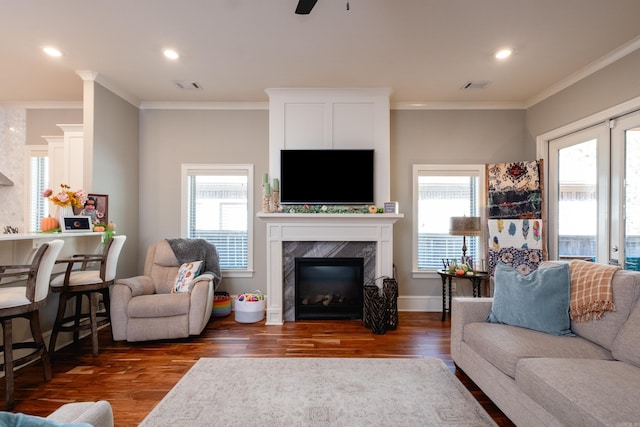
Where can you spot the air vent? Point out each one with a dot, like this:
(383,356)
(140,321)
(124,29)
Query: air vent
(475,85)
(188,85)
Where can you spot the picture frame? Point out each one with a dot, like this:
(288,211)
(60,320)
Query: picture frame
(76,224)
(96,207)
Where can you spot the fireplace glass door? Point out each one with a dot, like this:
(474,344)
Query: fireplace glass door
(329,288)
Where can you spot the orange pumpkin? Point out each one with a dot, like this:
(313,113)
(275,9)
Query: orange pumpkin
(111,226)
(49,223)
(98,228)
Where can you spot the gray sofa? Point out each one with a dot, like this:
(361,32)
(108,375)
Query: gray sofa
(538,379)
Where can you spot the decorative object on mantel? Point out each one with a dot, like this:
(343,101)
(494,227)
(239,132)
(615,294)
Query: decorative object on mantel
(266,193)
(391,207)
(315,209)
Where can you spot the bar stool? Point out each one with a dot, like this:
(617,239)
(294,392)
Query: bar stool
(90,283)
(23,299)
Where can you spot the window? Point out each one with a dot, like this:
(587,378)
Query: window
(440,192)
(37,180)
(217,207)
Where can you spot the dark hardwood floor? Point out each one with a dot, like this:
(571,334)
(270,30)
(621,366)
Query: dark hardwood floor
(135,377)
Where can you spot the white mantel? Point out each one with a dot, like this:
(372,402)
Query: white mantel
(322,228)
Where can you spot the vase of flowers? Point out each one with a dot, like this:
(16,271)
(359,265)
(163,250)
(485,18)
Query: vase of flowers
(65,200)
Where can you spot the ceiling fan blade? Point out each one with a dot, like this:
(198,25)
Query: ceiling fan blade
(305,6)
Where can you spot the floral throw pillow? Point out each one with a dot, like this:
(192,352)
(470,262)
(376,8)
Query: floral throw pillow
(184,280)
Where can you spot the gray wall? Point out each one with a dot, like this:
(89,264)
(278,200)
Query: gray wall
(170,138)
(42,122)
(613,85)
(115,167)
(443,137)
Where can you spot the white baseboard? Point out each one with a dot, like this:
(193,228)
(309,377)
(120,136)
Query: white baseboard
(420,303)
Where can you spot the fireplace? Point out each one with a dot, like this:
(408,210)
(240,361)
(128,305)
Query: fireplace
(285,230)
(328,288)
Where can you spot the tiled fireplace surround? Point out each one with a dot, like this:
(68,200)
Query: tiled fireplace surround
(369,236)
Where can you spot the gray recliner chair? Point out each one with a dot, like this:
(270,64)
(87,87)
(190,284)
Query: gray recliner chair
(144,308)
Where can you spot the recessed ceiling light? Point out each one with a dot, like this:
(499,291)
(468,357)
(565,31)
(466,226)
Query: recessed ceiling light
(52,51)
(171,54)
(503,53)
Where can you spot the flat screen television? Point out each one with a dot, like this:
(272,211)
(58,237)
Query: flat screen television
(336,177)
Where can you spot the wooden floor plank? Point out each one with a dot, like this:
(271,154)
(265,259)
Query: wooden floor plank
(134,377)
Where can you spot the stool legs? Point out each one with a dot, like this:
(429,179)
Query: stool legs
(94,303)
(7,336)
(38,346)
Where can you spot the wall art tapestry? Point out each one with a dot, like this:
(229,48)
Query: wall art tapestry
(515,215)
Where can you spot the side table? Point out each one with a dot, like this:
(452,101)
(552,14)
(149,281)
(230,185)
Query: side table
(476,280)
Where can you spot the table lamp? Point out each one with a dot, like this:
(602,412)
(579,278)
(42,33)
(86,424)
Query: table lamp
(465,226)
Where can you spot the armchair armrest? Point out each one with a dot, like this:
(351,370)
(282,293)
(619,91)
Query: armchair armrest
(201,303)
(464,311)
(139,285)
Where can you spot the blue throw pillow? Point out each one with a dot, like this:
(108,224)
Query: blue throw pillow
(538,301)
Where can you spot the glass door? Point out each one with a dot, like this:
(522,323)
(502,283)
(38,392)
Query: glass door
(579,195)
(625,192)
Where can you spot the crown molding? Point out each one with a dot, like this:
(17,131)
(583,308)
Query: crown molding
(204,105)
(457,106)
(44,105)
(585,72)
(88,75)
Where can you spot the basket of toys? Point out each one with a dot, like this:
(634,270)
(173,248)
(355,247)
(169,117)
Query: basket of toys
(221,304)
(250,307)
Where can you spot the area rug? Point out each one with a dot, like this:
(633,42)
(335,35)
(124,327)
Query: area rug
(318,392)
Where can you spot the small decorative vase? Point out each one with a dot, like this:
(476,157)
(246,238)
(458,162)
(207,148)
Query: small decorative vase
(63,211)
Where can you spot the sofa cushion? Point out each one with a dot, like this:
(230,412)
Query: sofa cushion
(538,301)
(503,345)
(626,346)
(626,291)
(159,305)
(583,392)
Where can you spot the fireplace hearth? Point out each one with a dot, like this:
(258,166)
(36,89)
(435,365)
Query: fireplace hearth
(328,288)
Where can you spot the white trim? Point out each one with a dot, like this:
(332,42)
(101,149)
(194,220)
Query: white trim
(88,75)
(478,170)
(592,68)
(457,106)
(44,105)
(204,105)
(594,119)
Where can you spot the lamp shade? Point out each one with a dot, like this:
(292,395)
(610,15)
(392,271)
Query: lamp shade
(465,226)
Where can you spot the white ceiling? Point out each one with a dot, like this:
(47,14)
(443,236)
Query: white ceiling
(424,50)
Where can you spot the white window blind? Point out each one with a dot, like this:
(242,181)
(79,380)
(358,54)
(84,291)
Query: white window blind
(38,181)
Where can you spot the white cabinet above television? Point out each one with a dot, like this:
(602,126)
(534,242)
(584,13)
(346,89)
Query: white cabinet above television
(332,119)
